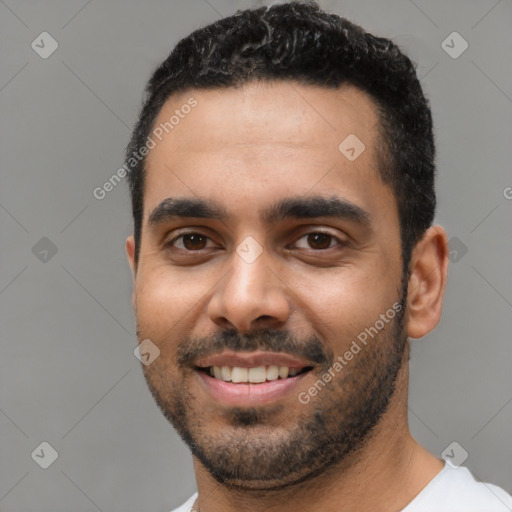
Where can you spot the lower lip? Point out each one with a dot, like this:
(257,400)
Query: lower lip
(247,394)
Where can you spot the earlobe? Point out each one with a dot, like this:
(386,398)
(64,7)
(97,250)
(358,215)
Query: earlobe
(130,254)
(427,282)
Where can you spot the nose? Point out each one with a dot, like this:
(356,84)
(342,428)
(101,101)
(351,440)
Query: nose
(251,296)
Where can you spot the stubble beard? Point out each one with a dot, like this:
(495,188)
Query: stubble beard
(253,452)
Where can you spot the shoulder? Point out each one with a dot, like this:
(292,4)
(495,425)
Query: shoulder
(456,490)
(187,506)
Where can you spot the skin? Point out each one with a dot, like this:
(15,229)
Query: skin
(247,148)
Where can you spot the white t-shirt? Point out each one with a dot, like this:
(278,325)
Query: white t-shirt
(451,490)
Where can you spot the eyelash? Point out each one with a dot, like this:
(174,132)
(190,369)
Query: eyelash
(339,243)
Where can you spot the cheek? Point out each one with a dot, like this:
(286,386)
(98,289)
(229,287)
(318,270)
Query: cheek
(344,303)
(166,298)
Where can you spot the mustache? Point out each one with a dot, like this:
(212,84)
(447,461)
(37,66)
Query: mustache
(267,340)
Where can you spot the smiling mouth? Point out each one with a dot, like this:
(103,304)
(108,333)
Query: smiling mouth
(254,375)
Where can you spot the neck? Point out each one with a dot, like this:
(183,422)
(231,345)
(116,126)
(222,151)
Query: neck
(385,474)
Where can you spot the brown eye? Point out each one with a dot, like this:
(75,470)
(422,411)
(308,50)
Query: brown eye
(319,241)
(190,242)
(194,242)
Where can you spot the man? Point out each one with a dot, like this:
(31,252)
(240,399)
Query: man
(282,180)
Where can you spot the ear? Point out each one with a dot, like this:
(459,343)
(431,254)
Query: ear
(427,282)
(130,254)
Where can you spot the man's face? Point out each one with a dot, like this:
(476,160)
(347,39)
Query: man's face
(284,254)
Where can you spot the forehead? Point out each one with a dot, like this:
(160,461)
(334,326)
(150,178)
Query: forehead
(278,137)
(268,112)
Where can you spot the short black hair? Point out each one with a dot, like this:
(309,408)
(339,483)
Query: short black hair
(300,42)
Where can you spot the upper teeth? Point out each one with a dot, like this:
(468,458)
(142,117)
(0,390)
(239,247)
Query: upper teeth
(254,375)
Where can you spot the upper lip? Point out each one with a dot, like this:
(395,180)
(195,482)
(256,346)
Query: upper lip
(251,360)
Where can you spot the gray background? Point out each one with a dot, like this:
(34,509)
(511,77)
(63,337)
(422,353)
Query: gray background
(68,373)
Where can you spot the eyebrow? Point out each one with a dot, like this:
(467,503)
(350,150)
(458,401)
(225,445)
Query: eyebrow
(171,208)
(309,207)
(312,207)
